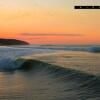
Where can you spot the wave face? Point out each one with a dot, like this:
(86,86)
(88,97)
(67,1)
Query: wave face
(41,81)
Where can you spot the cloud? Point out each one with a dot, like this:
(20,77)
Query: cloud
(51,34)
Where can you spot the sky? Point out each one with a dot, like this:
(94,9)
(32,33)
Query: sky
(50,21)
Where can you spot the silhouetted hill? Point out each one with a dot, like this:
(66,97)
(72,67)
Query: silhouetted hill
(12,42)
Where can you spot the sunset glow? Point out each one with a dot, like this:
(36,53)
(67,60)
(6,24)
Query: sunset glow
(49,22)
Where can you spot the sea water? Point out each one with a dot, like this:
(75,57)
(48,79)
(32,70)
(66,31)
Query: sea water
(44,81)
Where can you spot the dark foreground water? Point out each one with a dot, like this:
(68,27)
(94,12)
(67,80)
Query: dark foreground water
(47,82)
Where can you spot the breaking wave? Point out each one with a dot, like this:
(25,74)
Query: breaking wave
(10,56)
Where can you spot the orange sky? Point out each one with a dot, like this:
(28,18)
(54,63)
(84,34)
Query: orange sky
(49,22)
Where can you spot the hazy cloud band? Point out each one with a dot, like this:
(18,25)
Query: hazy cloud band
(52,34)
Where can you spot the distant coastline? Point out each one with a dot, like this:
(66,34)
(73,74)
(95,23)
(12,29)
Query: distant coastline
(4,42)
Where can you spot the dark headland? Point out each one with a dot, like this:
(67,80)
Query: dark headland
(12,42)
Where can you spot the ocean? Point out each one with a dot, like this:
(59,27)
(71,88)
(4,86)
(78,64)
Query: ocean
(25,76)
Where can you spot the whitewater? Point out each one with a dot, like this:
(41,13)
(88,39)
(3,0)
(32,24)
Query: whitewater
(50,72)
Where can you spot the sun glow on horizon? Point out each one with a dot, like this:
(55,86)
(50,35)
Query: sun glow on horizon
(49,22)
